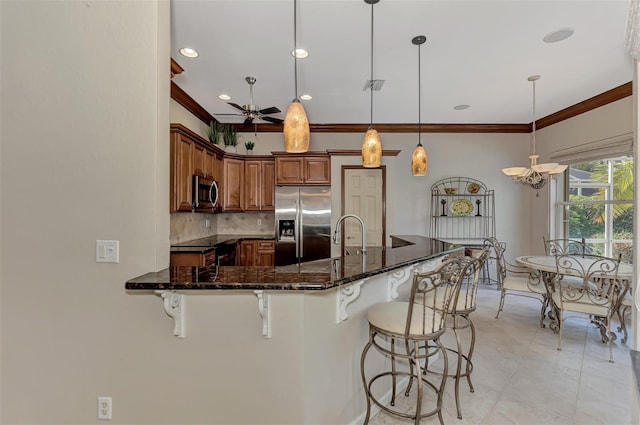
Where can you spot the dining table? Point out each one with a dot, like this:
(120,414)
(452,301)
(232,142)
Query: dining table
(546,266)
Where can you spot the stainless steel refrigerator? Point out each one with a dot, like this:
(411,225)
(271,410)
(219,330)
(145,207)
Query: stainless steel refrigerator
(303,224)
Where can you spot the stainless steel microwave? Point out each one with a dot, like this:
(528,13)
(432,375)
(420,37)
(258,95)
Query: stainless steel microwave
(205,194)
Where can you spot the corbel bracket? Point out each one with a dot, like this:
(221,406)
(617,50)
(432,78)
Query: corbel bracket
(345,295)
(264,309)
(174,306)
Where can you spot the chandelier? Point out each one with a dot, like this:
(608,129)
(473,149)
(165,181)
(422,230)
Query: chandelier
(536,175)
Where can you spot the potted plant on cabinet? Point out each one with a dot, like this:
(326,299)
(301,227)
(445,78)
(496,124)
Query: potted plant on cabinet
(249,146)
(214,132)
(230,138)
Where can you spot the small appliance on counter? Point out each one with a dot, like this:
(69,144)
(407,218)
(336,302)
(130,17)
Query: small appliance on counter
(303,224)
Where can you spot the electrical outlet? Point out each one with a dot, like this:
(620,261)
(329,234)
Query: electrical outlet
(259,222)
(104,408)
(207,223)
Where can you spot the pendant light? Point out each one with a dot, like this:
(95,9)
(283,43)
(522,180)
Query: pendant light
(536,175)
(371,145)
(296,124)
(419,159)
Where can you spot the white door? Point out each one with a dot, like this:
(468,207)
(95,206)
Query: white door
(363,196)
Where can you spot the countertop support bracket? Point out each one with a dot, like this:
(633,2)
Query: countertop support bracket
(264,309)
(345,295)
(403,275)
(396,279)
(174,306)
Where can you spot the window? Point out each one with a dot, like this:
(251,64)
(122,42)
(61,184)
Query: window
(599,207)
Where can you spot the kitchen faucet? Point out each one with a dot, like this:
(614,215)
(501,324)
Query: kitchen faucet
(336,233)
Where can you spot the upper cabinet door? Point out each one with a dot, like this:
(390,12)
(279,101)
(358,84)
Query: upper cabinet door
(252,185)
(317,170)
(268,185)
(233,184)
(181,172)
(289,170)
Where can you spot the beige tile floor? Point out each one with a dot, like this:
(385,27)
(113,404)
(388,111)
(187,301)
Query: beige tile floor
(521,378)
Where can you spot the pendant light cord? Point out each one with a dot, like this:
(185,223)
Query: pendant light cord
(295,47)
(419,101)
(371,80)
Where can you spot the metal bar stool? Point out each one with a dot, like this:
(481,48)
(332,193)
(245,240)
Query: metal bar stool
(459,318)
(401,330)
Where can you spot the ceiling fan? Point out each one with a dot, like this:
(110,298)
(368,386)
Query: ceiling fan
(251,111)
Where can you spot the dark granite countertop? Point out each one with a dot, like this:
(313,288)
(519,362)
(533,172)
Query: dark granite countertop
(311,276)
(209,243)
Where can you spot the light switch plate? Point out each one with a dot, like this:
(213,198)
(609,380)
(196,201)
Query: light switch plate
(107,251)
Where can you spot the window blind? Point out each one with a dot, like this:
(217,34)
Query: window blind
(610,147)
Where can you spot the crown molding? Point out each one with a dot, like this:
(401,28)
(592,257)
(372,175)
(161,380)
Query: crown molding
(594,102)
(189,104)
(175,68)
(602,99)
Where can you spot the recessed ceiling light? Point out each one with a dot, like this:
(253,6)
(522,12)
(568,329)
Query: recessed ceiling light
(558,35)
(299,53)
(306,97)
(188,52)
(461,107)
(224,97)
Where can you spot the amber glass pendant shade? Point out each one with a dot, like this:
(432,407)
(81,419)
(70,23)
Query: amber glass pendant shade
(296,128)
(419,161)
(371,149)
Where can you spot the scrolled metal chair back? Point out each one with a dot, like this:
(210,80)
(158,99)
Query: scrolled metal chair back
(599,275)
(465,300)
(431,295)
(564,246)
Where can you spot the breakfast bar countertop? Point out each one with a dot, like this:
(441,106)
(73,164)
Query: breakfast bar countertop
(310,276)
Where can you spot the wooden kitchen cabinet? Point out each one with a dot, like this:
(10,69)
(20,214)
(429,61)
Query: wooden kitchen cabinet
(233,183)
(210,164)
(259,189)
(193,259)
(181,172)
(199,158)
(191,155)
(303,170)
(265,253)
(257,252)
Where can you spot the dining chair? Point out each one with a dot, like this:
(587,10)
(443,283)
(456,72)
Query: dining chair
(459,318)
(405,331)
(624,311)
(596,300)
(519,281)
(564,246)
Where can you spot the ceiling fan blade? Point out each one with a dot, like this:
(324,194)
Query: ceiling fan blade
(235,105)
(270,110)
(247,121)
(235,115)
(272,119)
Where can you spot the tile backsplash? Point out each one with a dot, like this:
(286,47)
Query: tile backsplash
(246,223)
(188,226)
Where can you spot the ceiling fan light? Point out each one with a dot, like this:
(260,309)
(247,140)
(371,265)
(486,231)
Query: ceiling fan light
(296,128)
(419,161)
(371,149)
